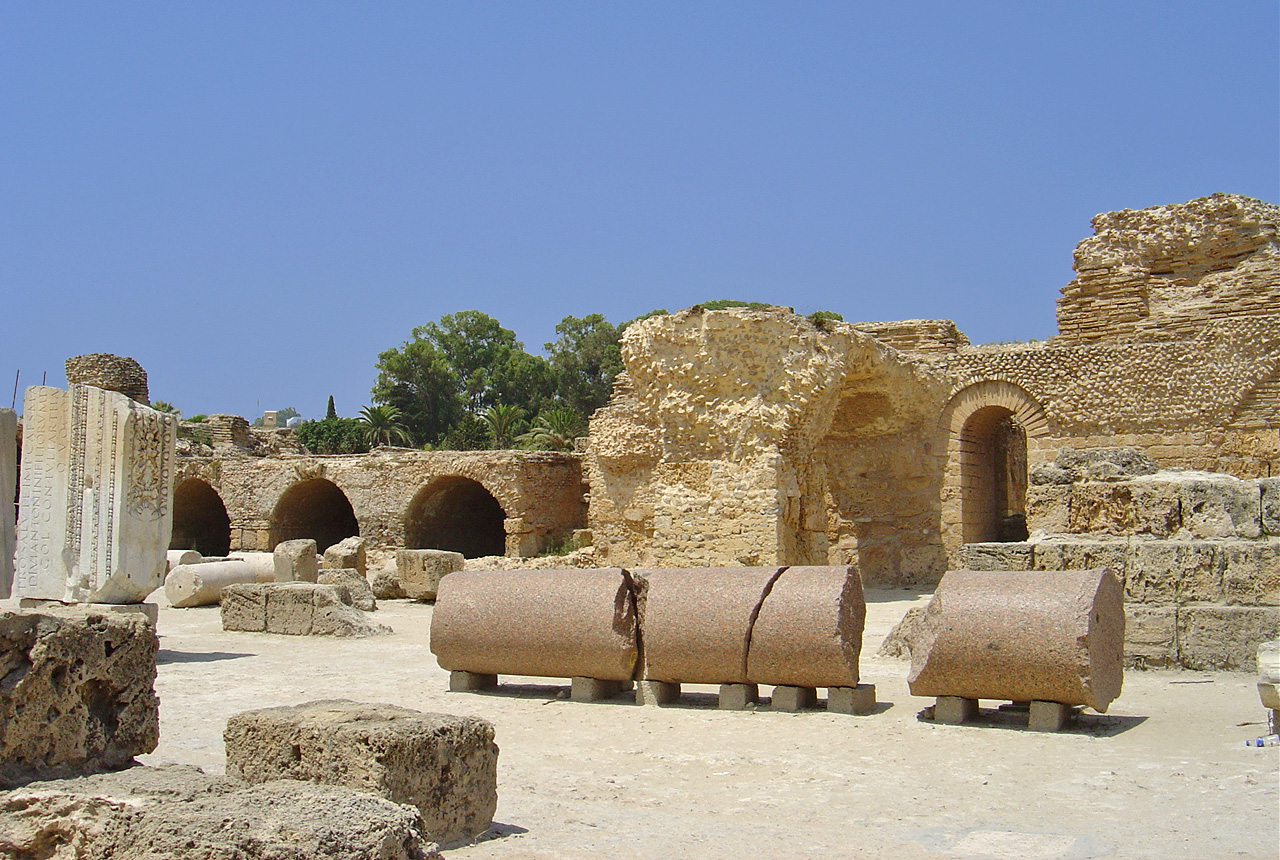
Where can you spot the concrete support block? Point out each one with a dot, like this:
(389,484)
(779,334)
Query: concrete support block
(697,623)
(444,765)
(808,629)
(78,693)
(471,682)
(1048,716)
(738,697)
(791,699)
(657,693)
(860,700)
(296,561)
(954,710)
(421,570)
(549,623)
(594,689)
(1051,636)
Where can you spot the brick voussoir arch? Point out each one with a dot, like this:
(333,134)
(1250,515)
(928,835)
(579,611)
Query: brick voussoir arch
(993,392)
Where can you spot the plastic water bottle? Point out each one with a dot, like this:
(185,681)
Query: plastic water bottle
(1268,741)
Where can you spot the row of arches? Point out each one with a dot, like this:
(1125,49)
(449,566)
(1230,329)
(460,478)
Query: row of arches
(450,513)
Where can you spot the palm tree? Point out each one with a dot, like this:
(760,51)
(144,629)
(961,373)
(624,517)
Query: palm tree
(554,430)
(382,425)
(504,422)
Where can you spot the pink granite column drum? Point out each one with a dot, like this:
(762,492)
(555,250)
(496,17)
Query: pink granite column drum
(542,623)
(1051,636)
(808,632)
(696,624)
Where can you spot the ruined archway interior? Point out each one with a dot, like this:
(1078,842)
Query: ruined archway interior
(315,509)
(200,520)
(457,514)
(994,469)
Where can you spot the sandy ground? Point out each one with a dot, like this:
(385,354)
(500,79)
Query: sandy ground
(1165,775)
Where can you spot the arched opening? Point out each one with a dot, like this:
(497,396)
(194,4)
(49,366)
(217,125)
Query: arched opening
(200,520)
(456,514)
(993,448)
(314,509)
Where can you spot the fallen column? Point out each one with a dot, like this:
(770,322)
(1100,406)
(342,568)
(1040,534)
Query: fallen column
(176,557)
(542,623)
(1053,637)
(201,584)
(263,564)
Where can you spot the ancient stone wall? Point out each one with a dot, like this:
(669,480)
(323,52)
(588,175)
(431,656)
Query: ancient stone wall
(110,373)
(532,498)
(758,437)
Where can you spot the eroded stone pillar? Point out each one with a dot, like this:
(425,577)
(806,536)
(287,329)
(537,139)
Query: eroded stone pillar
(97,496)
(8,477)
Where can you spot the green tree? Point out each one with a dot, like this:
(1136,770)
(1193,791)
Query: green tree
(505,421)
(585,359)
(419,382)
(166,407)
(330,411)
(382,425)
(333,436)
(554,430)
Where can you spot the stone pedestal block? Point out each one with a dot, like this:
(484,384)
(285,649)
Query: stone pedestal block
(471,682)
(296,561)
(552,623)
(8,513)
(859,700)
(1027,636)
(1048,716)
(357,586)
(657,693)
(78,691)
(595,690)
(201,584)
(954,710)
(420,570)
(808,630)
(738,697)
(790,699)
(446,766)
(697,623)
(294,609)
(347,554)
(97,496)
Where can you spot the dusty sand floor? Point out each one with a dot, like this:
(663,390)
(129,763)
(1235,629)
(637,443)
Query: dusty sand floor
(1165,775)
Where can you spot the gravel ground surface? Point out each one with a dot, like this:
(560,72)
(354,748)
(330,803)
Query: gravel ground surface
(1165,774)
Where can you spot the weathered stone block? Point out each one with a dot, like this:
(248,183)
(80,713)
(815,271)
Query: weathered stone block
(1054,636)
(737,697)
(697,623)
(97,496)
(175,811)
(1251,571)
(386,585)
(1151,636)
(294,609)
(791,699)
(201,584)
(808,629)
(1081,555)
(1174,572)
(852,700)
(551,623)
(1124,509)
(1222,507)
(446,766)
(296,561)
(1269,502)
(77,694)
(1047,509)
(348,554)
(996,556)
(1224,637)
(357,586)
(8,482)
(420,570)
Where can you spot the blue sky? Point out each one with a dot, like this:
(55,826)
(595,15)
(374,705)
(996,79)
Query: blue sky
(254,199)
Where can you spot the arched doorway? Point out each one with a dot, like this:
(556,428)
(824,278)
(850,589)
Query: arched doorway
(315,508)
(993,447)
(200,520)
(457,514)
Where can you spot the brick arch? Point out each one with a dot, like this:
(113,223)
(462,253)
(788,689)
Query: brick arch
(989,426)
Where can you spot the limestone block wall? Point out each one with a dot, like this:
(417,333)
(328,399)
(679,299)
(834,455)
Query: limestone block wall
(529,498)
(745,437)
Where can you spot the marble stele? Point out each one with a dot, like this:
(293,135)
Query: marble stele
(97,496)
(8,478)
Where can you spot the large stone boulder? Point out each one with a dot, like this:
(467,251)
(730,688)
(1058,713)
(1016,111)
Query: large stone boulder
(76,691)
(176,811)
(295,609)
(444,765)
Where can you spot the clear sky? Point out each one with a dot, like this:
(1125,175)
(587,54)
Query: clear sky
(253,199)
